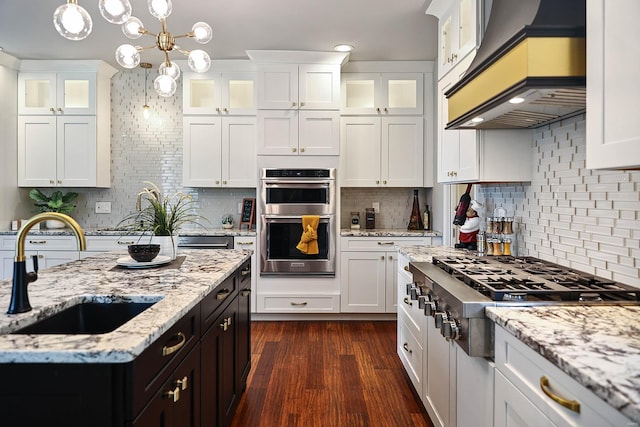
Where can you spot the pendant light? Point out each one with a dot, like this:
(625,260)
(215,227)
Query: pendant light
(146,110)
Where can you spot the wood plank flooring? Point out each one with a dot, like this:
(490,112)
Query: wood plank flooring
(342,373)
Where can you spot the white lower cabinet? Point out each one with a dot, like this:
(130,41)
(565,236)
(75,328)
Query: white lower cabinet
(368,272)
(521,401)
(250,243)
(7,264)
(50,251)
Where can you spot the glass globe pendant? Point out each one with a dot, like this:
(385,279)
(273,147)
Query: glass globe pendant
(172,70)
(161,9)
(128,56)
(199,61)
(115,11)
(165,85)
(131,28)
(72,21)
(202,32)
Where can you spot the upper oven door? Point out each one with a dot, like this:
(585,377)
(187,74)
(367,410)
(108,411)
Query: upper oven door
(300,197)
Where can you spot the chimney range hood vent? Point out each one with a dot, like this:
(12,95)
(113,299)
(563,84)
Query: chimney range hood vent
(534,52)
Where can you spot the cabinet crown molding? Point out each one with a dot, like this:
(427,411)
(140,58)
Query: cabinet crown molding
(36,65)
(298,57)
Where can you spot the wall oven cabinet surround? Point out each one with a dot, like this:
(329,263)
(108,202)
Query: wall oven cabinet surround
(382,151)
(613,129)
(219,151)
(382,93)
(64,126)
(224,94)
(286,195)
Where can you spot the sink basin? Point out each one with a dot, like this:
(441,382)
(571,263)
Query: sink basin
(87,318)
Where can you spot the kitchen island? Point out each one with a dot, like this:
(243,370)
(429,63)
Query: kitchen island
(195,338)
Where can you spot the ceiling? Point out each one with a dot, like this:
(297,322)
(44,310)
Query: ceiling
(378,29)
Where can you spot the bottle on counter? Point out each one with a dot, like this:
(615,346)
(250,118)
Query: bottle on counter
(415,220)
(426,218)
(481,243)
(355,220)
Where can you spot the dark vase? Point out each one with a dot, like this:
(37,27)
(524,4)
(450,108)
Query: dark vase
(415,221)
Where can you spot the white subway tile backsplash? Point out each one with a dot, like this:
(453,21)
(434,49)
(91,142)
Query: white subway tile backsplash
(585,219)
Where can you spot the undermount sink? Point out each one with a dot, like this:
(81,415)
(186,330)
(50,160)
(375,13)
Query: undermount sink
(87,318)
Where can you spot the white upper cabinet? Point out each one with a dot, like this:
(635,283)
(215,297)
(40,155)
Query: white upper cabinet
(219,152)
(70,93)
(458,27)
(382,151)
(613,67)
(299,87)
(64,124)
(294,132)
(228,93)
(382,93)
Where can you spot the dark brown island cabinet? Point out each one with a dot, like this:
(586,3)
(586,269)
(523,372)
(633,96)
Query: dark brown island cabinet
(198,383)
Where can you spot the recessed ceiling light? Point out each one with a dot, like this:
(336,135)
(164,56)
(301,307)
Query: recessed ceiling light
(516,100)
(343,48)
(477,119)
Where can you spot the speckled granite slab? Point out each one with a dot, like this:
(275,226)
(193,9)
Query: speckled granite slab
(113,232)
(92,279)
(598,346)
(419,253)
(387,232)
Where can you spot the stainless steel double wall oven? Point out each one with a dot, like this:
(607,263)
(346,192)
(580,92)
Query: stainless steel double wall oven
(285,196)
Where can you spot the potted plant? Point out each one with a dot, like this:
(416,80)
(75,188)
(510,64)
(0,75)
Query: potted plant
(162,217)
(227,221)
(57,202)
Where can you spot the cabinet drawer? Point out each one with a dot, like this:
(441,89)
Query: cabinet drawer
(152,368)
(218,299)
(300,304)
(110,243)
(524,368)
(379,243)
(410,351)
(50,243)
(414,317)
(8,243)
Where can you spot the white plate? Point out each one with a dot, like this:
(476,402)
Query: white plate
(132,263)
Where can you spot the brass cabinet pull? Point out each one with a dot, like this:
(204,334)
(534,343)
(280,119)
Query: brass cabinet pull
(183,383)
(167,350)
(406,268)
(406,348)
(224,325)
(244,243)
(245,293)
(572,405)
(127,243)
(245,271)
(299,304)
(173,394)
(223,294)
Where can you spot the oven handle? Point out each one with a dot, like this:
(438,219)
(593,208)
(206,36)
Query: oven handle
(289,217)
(205,246)
(305,184)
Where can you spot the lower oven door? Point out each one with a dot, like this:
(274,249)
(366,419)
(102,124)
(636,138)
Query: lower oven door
(279,237)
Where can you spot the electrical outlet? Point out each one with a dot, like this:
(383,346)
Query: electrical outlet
(103,207)
(376,207)
(240,207)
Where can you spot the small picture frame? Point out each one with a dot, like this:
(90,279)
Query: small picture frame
(248,215)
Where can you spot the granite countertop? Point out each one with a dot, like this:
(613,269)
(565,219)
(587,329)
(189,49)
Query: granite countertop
(598,346)
(388,232)
(114,232)
(420,253)
(177,291)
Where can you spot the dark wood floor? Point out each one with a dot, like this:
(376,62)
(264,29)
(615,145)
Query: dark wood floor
(327,374)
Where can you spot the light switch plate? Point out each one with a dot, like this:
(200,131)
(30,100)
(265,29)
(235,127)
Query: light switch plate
(103,207)
(376,207)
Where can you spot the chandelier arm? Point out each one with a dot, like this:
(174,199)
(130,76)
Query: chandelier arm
(184,52)
(146,32)
(167,61)
(163,22)
(141,48)
(189,34)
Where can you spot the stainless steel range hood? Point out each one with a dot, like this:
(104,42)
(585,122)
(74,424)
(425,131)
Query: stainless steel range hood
(534,50)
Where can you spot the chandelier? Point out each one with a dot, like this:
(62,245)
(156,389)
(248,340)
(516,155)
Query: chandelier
(73,22)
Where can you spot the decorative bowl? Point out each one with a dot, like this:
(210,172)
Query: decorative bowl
(143,253)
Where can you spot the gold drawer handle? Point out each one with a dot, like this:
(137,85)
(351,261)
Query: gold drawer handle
(174,394)
(299,304)
(245,271)
(223,294)
(572,405)
(406,268)
(167,350)
(244,243)
(127,243)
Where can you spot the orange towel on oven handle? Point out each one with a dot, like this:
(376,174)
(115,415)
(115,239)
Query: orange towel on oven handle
(309,240)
